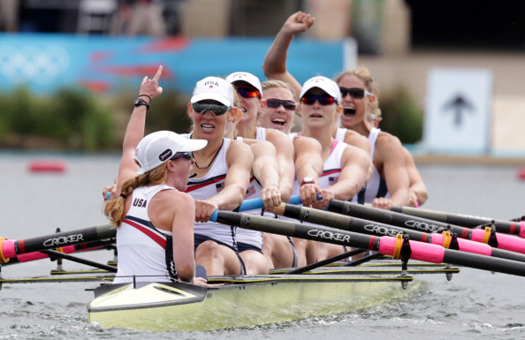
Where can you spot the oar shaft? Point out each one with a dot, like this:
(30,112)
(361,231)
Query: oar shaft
(369,227)
(506,227)
(384,245)
(12,248)
(504,241)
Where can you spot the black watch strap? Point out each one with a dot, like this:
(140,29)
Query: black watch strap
(139,101)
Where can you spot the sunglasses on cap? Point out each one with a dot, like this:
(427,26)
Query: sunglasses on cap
(185,155)
(354,92)
(248,93)
(275,103)
(217,109)
(323,99)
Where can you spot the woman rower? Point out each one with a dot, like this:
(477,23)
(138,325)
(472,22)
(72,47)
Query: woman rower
(417,190)
(273,152)
(345,167)
(153,215)
(278,113)
(222,174)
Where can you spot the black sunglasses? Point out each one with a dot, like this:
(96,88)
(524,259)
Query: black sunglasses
(217,110)
(275,103)
(184,155)
(323,99)
(248,93)
(354,92)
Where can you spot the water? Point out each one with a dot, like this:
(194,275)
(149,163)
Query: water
(474,305)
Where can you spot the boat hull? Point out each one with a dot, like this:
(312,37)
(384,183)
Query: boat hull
(244,303)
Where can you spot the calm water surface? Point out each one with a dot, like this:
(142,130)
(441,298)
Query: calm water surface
(474,305)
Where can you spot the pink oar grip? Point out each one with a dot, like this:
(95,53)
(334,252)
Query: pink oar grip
(506,242)
(465,245)
(420,251)
(8,249)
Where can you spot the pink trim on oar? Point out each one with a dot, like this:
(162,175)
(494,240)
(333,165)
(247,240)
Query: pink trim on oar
(465,245)
(420,251)
(506,242)
(522,229)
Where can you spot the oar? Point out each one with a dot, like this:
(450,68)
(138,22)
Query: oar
(385,245)
(82,247)
(365,225)
(507,227)
(13,248)
(488,236)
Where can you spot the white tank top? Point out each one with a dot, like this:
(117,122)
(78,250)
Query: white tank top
(208,186)
(376,187)
(142,248)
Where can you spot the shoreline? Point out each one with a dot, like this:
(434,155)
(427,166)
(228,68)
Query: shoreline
(471,160)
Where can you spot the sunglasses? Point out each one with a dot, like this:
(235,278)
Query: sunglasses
(248,93)
(184,155)
(354,92)
(323,99)
(217,110)
(275,103)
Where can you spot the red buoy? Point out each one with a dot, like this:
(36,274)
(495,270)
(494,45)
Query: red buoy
(49,165)
(521,173)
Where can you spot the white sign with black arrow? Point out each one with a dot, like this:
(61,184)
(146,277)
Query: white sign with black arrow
(458,111)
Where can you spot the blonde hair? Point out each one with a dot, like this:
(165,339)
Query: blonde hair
(269,84)
(364,74)
(114,208)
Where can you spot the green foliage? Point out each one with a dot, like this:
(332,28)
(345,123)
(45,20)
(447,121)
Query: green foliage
(167,112)
(401,116)
(71,119)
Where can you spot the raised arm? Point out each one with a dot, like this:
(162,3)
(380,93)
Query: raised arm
(149,89)
(285,160)
(274,65)
(308,164)
(354,174)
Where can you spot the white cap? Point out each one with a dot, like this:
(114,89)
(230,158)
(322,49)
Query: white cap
(246,77)
(158,147)
(327,85)
(213,88)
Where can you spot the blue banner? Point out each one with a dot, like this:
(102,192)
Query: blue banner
(47,62)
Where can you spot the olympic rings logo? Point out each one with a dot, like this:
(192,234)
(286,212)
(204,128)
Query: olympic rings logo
(39,65)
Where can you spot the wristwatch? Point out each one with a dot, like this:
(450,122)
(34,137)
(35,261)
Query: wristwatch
(307,180)
(139,101)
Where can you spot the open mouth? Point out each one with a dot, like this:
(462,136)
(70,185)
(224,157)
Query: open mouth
(349,112)
(315,115)
(278,121)
(207,127)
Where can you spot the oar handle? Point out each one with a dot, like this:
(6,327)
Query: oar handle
(255,203)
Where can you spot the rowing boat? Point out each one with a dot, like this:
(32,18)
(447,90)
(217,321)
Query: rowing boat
(246,301)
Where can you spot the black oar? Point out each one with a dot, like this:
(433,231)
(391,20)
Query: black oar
(395,247)
(506,227)
(488,236)
(12,248)
(81,247)
(366,226)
